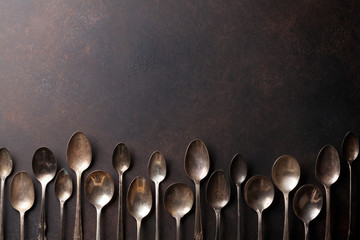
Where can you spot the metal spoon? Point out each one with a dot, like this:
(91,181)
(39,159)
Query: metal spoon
(350,151)
(79,158)
(286,175)
(22,196)
(44,168)
(307,205)
(99,189)
(327,171)
(259,194)
(121,163)
(63,191)
(6,165)
(197,164)
(238,172)
(218,195)
(139,200)
(157,173)
(178,200)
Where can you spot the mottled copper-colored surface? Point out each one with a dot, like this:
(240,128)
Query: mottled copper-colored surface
(262,78)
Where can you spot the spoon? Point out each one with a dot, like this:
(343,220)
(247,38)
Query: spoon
(22,196)
(178,200)
(99,189)
(307,205)
(44,168)
(327,171)
(6,165)
(238,172)
(197,164)
(139,200)
(157,173)
(286,175)
(121,163)
(79,159)
(63,191)
(350,151)
(218,195)
(259,194)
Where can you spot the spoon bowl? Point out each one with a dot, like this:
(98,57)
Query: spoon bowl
(178,200)
(6,166)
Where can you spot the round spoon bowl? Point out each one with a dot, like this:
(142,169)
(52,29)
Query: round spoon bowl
(79,152)
(238,169)
(178,199)
(218,190)
(286,173)
(44,165)
(157,167)
(99,188)
(6,163)
(259,192)
(121,158)
(63,185)
(139,198)
(307,202)
(197,162)
(327,168)
(22,193)
(350,147)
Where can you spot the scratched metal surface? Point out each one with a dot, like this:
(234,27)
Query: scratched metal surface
(264,78)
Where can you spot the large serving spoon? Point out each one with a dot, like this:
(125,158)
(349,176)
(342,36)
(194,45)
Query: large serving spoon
(218,195)
(327,172)
(44,167)
(121,163)
(259,194)
(79,158)
(286,175)
(63,191)
(139,201)
(99,189)
(350,151)
(157,173)
(6,165)
(307,205)
(238,172)
(197,164)
(22,196)
(178,200)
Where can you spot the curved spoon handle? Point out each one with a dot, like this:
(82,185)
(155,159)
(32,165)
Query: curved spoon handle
(120,233)
(217,233)
(2,209)
(327,228)
(259,225)
(78,225)
(350,187)
(198,234)
(286,217)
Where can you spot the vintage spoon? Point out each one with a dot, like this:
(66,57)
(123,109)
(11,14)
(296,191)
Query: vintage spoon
(178,200)
(286,175)
(99,189)
(121,163)
(197,164)
(238,172)
(327,171)
(259,194)
(139,200)
(6,165)
(157,173)
(63,191)
(44,168)
(22,196)
(79,158)
(350,151)
(218,195)
(307,205)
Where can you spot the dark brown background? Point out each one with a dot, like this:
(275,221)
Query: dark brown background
(264,78)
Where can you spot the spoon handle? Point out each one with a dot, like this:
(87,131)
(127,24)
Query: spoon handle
(238,189)
(156,211)
(61,220)
(22,225)
(350,187)
(178,236)
(217,232)
(2,209)
(327,227)
(78,226)
(138,223)
(42,214)
(286,217)
(120,233)
(98,215)
(198,234)
(259,225)
(306,227)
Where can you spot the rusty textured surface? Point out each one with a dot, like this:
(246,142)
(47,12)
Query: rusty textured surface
(263,78)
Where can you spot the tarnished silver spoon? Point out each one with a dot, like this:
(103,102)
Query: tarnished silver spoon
(6,166)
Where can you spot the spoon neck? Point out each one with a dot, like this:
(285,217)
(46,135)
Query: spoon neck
(306,228)
(178,236)
(98,216)
(138,228)
(286,216)
(217,231)
(259,213)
